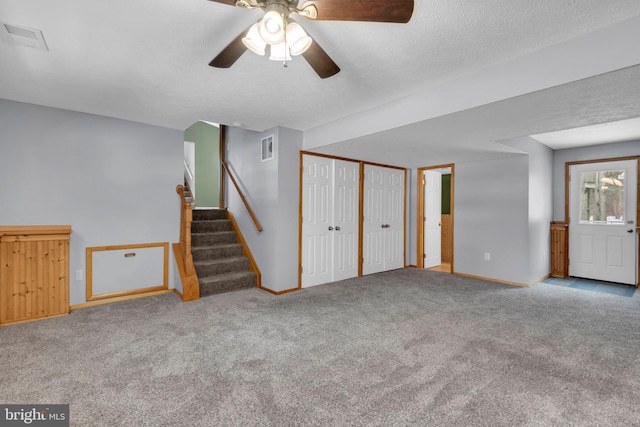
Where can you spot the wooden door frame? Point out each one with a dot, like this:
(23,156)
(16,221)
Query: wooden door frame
(567,168)
(421,183)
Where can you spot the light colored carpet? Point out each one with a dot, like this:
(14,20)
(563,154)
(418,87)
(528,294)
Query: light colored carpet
(408,347)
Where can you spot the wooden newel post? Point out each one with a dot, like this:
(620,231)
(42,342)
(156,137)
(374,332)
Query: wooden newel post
(190,286)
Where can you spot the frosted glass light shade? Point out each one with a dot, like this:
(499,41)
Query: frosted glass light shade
(297,39)
(253,41)
(280,52)
(271,27)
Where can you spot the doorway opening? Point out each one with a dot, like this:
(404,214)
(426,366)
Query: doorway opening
(203,142)
(435,218)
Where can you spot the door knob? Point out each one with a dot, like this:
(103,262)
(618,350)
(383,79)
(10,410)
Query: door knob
(337,228)
(629,230)
(330,228)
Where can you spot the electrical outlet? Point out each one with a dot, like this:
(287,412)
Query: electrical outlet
(79,275)
(487,256)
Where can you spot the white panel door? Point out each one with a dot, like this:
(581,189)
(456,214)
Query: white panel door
(432,218)
(383,223)
(393,210)
(373,221)
(330,205)
(345,219)
(317,219)
(602,221)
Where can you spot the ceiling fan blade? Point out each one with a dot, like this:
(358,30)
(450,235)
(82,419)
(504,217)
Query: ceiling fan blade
(229,2)
(231,53)
(320,61)
(397,11)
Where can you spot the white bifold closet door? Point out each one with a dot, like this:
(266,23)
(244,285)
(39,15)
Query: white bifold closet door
(383,226)
(330,203)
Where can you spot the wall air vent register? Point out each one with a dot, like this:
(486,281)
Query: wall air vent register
(22,36)
(267,148)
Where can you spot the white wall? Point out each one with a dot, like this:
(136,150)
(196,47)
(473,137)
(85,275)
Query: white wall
(491,215)
(112,180)
(272,189)
(594,152)
(289,146)
(540,204)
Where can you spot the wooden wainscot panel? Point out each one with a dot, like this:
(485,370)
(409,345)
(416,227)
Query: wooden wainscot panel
(122,270)
(34,272)
(559,249)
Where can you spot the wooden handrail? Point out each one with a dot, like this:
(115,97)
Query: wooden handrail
(244,199)
(190,286)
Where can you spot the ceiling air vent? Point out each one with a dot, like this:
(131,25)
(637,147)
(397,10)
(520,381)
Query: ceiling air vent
(267,148)
(22,36)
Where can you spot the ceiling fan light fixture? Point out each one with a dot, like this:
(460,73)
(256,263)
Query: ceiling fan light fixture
(271,27)
(280,52)
(297,39)
(253,41)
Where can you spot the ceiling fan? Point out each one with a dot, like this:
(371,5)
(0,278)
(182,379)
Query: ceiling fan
(285,38)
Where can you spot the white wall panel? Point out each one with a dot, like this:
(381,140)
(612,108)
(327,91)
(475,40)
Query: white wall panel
(127,269)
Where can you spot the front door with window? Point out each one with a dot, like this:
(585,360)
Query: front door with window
(602,221)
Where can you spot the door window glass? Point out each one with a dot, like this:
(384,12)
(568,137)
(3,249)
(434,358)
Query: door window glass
(602,197)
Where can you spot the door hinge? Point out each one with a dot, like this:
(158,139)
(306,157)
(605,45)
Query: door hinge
(301,270)
(424,255)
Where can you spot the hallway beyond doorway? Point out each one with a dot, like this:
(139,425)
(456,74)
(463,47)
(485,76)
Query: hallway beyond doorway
(445,267)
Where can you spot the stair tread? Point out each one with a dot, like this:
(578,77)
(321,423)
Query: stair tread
(222,245)
(225,276)
(213,233)
(220,260)
(208,233)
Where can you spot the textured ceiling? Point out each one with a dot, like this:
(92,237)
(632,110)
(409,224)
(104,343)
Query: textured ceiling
(146,61)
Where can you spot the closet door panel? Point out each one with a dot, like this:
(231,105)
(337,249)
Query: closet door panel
(317,216)
(346,205)
(373,231)
(394,217)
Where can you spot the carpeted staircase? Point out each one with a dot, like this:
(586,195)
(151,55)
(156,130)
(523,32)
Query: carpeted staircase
(218,258)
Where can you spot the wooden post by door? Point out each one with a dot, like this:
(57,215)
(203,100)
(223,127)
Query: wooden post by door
(559,249)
